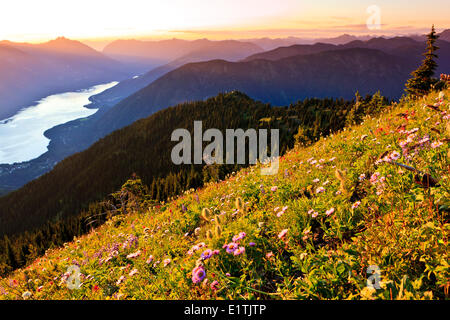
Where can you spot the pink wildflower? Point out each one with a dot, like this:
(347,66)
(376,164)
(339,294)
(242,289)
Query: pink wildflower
(239,236)
(214,285)
(283,233)
(134,255)
(329,211)
(436,144)
(239,251)
(198,274)
(206,254)
(133,272)
(356,204)
(231,247)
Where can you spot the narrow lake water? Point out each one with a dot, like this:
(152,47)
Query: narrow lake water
(22,136)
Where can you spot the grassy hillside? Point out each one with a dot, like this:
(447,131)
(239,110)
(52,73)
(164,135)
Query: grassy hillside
(310,232)
(53,209)
(145,148)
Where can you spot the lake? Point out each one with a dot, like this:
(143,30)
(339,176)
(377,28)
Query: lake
(22,136)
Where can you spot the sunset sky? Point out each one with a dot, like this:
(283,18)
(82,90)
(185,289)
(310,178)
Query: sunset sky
(28,20)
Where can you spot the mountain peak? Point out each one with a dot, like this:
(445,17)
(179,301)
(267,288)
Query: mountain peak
(445,35)
(63,44)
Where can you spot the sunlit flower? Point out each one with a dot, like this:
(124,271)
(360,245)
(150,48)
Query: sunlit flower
(356,204)
(283,233)
(134,255)
(214,285)
(239,251)
(167,262)
(133,272)
(239,236)
(374,177)
(206,254)
(394,155)
(274,188)
(424,140)
(320,190)
(198,274)
(231,247)
(436,144)
(329,211)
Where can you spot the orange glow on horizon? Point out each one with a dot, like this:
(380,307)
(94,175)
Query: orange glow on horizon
(103,21)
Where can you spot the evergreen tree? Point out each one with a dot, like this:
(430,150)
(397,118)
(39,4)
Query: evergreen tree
(352,116)
(422,79)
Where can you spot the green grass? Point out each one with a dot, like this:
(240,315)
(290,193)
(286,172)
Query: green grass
(384,218)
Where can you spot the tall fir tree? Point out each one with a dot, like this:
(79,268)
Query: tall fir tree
(422,79)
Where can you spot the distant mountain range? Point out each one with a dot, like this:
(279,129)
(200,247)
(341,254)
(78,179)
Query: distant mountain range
(202,50)
(404,47)
(444,35)
(269,43)
(166,55)
(230,51)
(336,73)
(273,43)
(33,71)
(143,55)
